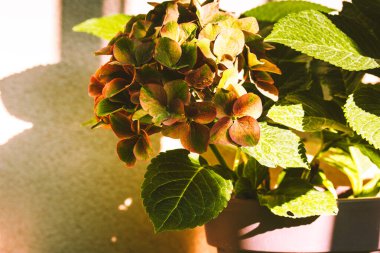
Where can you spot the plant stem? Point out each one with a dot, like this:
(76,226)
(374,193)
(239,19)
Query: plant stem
(218,156)
(237,159)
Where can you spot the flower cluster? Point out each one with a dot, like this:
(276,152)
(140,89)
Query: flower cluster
(182,70)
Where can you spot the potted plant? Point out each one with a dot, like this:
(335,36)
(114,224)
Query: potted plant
(199,74)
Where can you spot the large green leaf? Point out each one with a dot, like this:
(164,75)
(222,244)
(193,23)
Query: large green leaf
(307,114)
(362,111)
(355,20)
(274,11)
(278,147)
(181,191)
(104,27)
(312,33)
(296,198)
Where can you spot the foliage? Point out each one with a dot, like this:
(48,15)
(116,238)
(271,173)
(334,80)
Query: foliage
(207,78)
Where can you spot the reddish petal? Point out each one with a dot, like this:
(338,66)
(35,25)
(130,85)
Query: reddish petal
(107,50)
(200,78)
(125,151)
(95,87)
(143,148)
(114,87)
(224,101)
(245,131)
(152,129)
(157,92)
(248,105)
(177,89)
(267,90)
(109,71)
(135,97)
(121,125)
(219,132)
(174,131)
(267,66)
(195,137)
(201,112)
(262,77)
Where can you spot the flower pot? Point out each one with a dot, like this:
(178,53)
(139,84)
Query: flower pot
(246,226)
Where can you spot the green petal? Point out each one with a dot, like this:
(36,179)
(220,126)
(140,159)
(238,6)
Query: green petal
(167,52)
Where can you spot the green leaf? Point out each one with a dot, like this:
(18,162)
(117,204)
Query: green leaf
(355,21)
(105,107)
(180,192)
(105,27)
(362,111)
(296,198)
(255,172)
(307,114)
(342,161)
(314,34)
(167,52)
(274,11)
(371,153)
(278,147)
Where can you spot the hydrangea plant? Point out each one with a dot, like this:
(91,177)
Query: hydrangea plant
(193,72)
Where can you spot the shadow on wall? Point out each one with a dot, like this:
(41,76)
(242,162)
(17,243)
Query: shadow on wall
(61,184)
